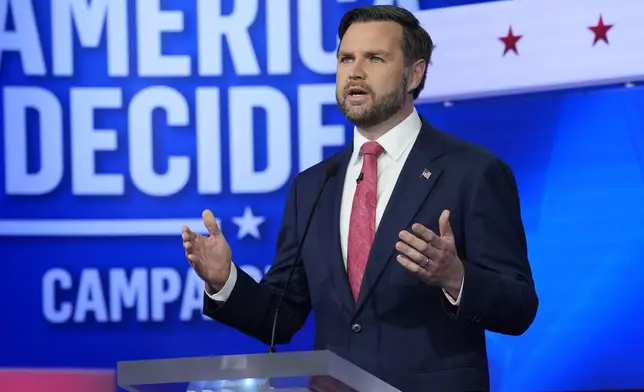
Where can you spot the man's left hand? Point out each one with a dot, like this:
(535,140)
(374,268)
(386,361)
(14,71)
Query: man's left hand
(431,257)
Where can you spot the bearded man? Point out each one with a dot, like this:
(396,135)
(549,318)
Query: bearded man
(414,243)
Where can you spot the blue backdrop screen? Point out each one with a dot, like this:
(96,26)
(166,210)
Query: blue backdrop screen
(122,121)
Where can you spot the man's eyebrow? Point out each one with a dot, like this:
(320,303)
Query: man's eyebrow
(379,53)
(369,53)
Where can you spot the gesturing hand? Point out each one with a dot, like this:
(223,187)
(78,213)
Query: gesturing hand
(210,256)
(431,257)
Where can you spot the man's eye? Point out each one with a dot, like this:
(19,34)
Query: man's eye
(345,59)
(376,59)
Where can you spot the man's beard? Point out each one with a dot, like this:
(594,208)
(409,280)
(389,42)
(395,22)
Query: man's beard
(381,109)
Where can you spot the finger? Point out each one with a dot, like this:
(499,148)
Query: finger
(188,255)
(414,241)
(413,255)
(444,225)
(189,247)
(412,267)
(427,235)
(210,222)
(192,258)
(420,245)
(187,234)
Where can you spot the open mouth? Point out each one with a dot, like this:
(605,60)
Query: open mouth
(357,92)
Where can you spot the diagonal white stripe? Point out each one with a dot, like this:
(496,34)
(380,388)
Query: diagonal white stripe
(556,51)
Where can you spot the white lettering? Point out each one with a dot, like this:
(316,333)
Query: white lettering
(313,135)
(90,19)
(244,177)
(310,47)
(208,141)
(142,146)
(90,297)
(278,37)
(165,288)
(50,280)
(24,38)
(192,299)
(86,140)
(18,179)
(150,291)
(213,27)
(151,23)
(129,295)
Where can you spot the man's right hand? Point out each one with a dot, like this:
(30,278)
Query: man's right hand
(210,256)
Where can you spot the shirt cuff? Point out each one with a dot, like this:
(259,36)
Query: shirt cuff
(451,299)
(223,294)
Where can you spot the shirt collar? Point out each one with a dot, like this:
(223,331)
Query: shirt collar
(395,141)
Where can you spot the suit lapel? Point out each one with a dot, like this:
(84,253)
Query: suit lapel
(331,224)
(417,178)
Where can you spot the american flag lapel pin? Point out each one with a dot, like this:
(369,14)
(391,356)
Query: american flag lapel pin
(426,173)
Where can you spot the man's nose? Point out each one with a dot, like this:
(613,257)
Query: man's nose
(357,71)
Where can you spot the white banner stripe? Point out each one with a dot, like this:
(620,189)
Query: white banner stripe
(555,50)
(100,227)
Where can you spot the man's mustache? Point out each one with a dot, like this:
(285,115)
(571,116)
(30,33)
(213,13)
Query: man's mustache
(356,88)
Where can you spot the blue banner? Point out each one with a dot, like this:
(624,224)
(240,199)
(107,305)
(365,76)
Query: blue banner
(123,120)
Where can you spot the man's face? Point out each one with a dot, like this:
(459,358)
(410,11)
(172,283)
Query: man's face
(371,82)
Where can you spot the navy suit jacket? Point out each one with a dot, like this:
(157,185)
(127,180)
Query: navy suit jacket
(401,330)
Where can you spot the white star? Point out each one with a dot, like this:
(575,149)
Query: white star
(248,224)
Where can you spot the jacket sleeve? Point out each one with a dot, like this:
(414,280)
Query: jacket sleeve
(251,306)
(499,291)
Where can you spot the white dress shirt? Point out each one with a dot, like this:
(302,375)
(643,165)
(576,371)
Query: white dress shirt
(397,144)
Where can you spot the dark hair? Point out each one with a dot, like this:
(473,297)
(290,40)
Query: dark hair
(416,42)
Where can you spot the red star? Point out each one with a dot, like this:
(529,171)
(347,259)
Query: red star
(600,31)
(510,41)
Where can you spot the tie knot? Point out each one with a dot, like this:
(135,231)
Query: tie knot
(372,148)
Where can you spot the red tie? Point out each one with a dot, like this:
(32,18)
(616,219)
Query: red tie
(362,226)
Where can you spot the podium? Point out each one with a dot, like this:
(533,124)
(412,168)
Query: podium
(320,371)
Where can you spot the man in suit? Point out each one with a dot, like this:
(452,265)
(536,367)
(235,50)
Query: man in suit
(416,246)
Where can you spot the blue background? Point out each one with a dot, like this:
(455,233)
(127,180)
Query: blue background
(579,161)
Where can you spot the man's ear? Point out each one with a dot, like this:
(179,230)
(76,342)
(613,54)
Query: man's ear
(417,73)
